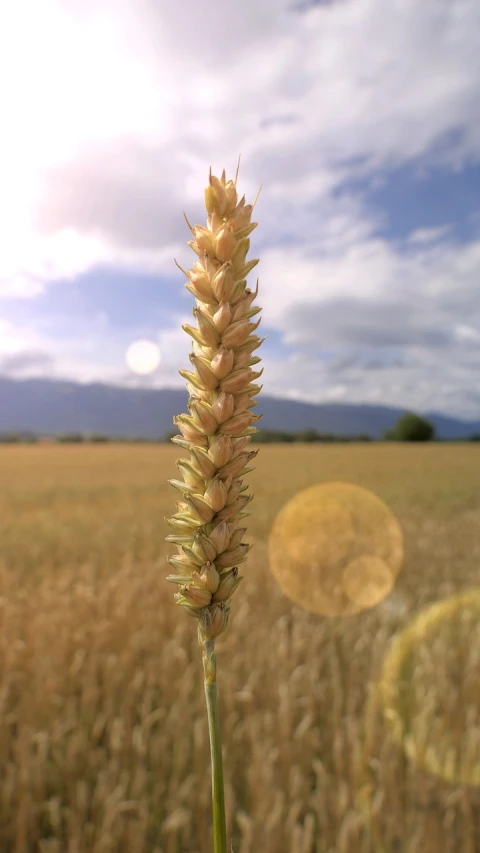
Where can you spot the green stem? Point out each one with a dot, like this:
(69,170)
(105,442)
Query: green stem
(218,796)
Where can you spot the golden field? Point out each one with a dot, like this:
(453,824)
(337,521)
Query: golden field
(103,731)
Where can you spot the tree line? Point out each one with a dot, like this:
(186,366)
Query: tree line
(409,427)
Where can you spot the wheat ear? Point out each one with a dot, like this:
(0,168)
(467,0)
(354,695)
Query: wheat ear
(216,434)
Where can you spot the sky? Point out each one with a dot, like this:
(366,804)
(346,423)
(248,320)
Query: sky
(359,118)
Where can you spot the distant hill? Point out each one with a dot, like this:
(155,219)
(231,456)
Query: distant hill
(51,407)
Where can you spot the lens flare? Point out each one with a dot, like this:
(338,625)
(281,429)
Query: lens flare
(143,357)
(336,549)
(429,689)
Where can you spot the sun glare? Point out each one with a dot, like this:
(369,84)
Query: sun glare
(68,82)
(336,549)
(143,357)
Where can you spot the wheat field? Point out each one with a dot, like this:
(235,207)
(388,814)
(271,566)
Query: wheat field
(103,732)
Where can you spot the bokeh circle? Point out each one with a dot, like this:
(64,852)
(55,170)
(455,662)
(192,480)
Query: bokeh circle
(429,689)
(336,549)
(143,357)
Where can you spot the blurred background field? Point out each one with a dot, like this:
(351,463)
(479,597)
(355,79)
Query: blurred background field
(103,734)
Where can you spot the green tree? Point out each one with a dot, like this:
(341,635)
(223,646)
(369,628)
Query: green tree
(411,427)
(71,438)
(270,436)
(10,438)
(307,435)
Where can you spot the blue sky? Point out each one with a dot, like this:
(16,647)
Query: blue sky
(360,119)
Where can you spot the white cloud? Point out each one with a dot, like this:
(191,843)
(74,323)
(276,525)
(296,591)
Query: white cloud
(371,281)
(120,106)
(404,327)
(121,141)
(20,286)
(429,235)
(15,339)
(422,383)
(466,333)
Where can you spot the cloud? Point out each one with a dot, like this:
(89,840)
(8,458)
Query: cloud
(375,323)
(20,286)
(423,385)
(321,99)
(119,192)
(429,235)
(373,291)
(365,360)
(390,323)
(26,361)
(311,100)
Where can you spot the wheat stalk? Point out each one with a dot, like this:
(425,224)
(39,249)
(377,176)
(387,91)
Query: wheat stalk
(217,435)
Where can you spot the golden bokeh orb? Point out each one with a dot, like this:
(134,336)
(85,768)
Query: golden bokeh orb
(336,549)
(367,580)
(429,689)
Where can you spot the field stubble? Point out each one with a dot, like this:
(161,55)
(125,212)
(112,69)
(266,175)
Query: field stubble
(103,736)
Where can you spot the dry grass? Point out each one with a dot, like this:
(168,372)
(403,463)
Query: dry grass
(103,733)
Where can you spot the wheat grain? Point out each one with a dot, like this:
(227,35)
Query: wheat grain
(216,433)
(218,429)
(99,522)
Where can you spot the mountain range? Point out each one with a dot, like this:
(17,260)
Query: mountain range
(53,407)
